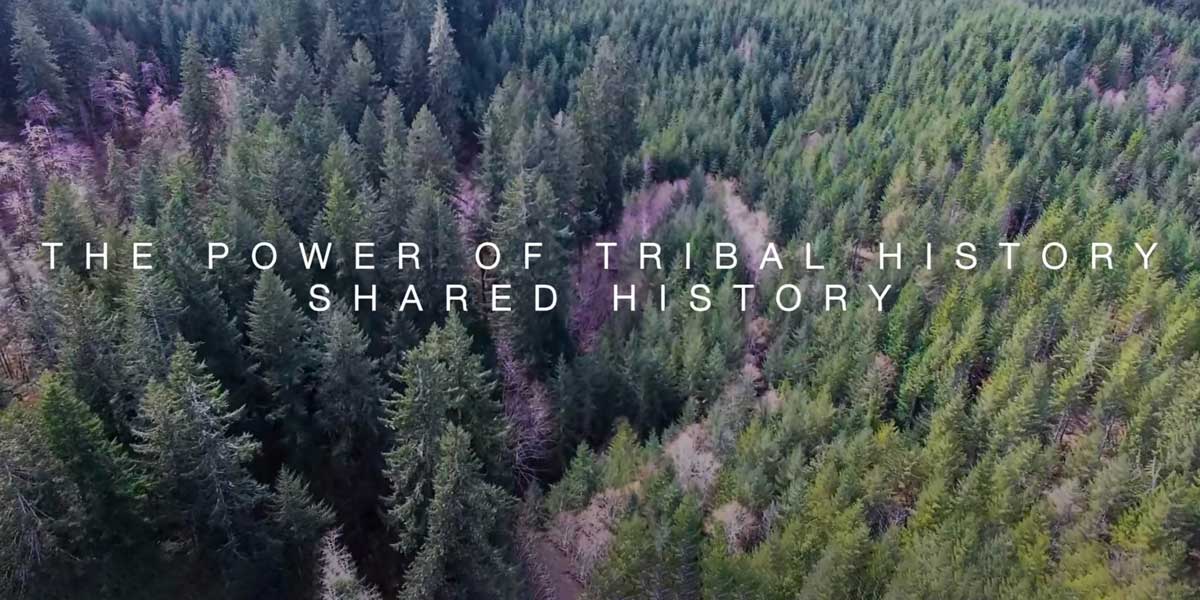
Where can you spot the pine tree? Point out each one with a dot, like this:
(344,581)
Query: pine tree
(206,319)
(528,215)
(445,74)
(463,554)
(339,578)
(90,351)
(41,513)
(37,66)
(67,221)
(343,224)
(606,112)
(349,413)
(199,104)
(278,336)
(152,308)
(117,183)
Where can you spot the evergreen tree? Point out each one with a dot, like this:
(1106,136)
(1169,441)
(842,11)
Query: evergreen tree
(528,215)
(605,115)
(199,103)
(411,67)
(32,55)
(429,155)
(349,414)
(278,336)
(332,53)
(371,140)
(67,222)
(293,79)
(463,553)
(198,481)
(300,523)
(444,384)
(356,88)
(432,227)
(107,480)
(445,74)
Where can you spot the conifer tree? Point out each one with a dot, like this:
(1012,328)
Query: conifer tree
(371,139)
(411,67)
(37,66)
(199,104)
(152,308)
(67,222)
(443,383)
(117,183)
(41,513)
(300,522)
(349,413)
(356,88)
(528,214)
(278,336)
(332,53)
(293,79)
(429,155)
(463,553)
(431,225)
(90,351)
(445,74)
(198,480)
(105,475)
(605,116)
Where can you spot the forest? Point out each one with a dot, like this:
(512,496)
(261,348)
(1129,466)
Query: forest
(1005,431)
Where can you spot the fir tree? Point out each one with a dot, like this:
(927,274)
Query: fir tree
(32,55)
(300,523)
(445,76)
(293,79)
(278,335)
(463,553)
(199,103)
(429,156)
(197,476)
(332,53)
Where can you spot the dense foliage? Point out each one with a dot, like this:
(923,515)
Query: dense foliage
(1008,431)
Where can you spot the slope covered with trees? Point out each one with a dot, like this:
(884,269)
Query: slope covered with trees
(1006,431)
